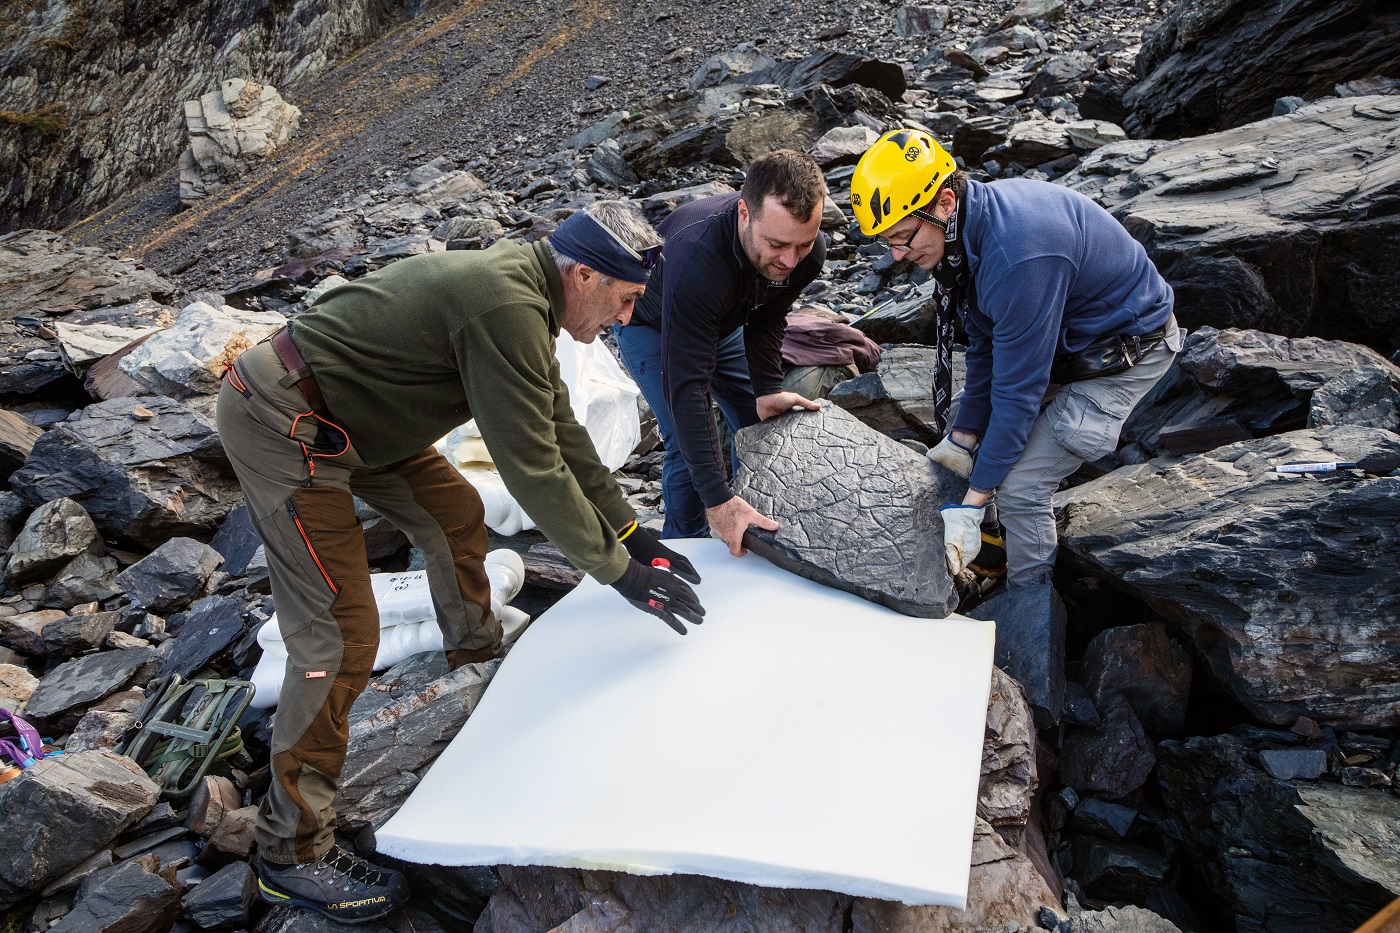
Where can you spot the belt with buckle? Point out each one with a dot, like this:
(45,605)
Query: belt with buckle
(298,372)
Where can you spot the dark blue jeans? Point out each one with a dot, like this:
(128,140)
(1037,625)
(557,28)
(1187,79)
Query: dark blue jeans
(729,388)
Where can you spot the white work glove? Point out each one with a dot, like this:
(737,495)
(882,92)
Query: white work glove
(962,534)
(952,455)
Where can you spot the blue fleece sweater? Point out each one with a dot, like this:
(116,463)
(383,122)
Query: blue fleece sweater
(1050,272)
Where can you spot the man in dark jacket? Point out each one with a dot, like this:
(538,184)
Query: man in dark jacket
(1052,291)
(347,401)
(710,328)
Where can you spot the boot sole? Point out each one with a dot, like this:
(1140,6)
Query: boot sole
(274,896)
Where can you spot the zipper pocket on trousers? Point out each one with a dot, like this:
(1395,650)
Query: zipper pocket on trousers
(296,520)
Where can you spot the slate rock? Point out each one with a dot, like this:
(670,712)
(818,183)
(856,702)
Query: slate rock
(1112,760)
(1117,871)
(1005,891)
(1278,225)
(906,320)
(86,337)
(1289,764)
(842,145)
(55,533)
(235,834)
(1126,919)
(1025,11)
(17,437)
(897,398)
(1211,66)
(864,515)
(236,541)
(188,357)
(1368,396)
(122,899)
(82,681)
(171,576)
(834,69)
(1265,573)
(141,479)
(16,687)
(105,724)
(1031,645)
(224,899)
(729,65)
(209,627)
(73,805)
(86,579)
(1032,142)
(1151,671)
(1008,777)
(398,729)
(921,20)
(608,168)
(1102,818)
(39,269)
(24,631)
(1287,857)
(77,634)
(11,508)
(1063,75)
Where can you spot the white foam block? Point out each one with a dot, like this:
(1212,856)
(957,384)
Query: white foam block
(801,737)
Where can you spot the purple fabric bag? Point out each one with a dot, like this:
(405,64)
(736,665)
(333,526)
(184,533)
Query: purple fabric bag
(26,748)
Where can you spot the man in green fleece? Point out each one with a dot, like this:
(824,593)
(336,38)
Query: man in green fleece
(348,401)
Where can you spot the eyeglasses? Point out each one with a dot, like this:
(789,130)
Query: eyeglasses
(908,244)
(649,257)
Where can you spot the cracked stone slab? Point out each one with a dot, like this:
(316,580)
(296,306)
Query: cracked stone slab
(859,511)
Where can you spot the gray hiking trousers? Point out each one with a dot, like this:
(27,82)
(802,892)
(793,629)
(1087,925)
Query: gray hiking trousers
(1078,423)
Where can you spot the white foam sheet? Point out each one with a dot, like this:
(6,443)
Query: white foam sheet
(800,737)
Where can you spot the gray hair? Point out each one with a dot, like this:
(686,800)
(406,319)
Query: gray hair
(626,223)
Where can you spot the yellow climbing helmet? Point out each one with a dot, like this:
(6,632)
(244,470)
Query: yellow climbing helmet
(899,173)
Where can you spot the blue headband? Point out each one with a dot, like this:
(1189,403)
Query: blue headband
(583,239)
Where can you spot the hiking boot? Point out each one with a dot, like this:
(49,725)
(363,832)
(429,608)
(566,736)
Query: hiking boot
(338,884)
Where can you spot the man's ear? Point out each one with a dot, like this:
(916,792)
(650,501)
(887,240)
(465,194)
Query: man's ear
(743,212)
(946,199)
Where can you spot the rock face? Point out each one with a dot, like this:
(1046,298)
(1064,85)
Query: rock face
(92,132)
(72,805)
(1285,584)
(1244,243)
(189,356)
(1213,65)
(232,129)
(144,469)
(858,511)
(398,727)
(1008,756)
(1283,857)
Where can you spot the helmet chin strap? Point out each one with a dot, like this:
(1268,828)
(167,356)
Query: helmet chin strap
(928,217)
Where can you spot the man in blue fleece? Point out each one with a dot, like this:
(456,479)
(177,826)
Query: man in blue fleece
(1068,324)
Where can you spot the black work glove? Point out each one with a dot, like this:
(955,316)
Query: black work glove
(661,594)
(646,549)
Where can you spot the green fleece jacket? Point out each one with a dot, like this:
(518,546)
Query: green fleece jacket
(408,353)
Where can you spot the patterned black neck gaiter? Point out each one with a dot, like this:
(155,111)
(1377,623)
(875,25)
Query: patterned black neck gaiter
(949,292)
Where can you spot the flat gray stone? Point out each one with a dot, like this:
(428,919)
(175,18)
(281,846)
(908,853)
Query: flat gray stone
(77,634)
(171,576)
(224,899)
(1288,764)
(82,681)
(208,628)
(1031,645)
(858,510)
(122,899)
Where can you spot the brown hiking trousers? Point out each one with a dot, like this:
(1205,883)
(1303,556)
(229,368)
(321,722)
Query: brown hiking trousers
(299,471)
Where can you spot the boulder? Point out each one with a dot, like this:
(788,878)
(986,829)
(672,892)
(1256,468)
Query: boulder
(608,168)
(85,579)
(17,685)
(1026,11)
(208,628)
(1064,75)
(1278,225)
(842,145)
(233,129)
(55,533)
(575,901)
(72,806)
(144,469)
(921,20)
(730,65)
(1112,760)
(897,398)
(77,683)
(85,337)
(171,576)
(39,269)
(1032,142)
(858,510)
(1009,779)
(1004,892)
(122,899)
(1212,66)
(1117,871)
(1152,672)
(909,319)
(1288,764)
(1031,645)
(77,634)
(398,728)
(834,69)
(12,508)
(1281,856)
(225,899)
(24,631)
(188,357)
(1266,573)
(1101,818)
(104,725)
